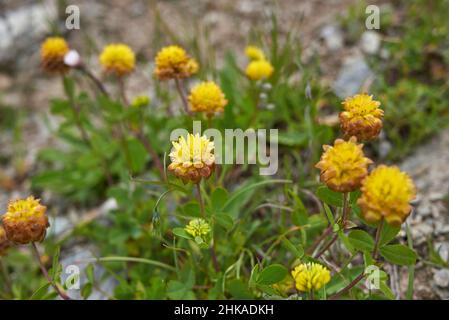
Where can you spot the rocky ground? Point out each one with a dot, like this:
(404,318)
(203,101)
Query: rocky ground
(141,24)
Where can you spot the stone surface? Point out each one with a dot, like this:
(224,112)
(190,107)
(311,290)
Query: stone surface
(370,42)
(441,278)
(23,26)
(352,75)
(332,37)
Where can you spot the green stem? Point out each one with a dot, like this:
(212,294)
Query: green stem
(213,252)
(377,241)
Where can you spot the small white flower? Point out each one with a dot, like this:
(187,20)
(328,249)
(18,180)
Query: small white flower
(72,59)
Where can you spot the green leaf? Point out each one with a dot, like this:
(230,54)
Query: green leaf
(40,293)
(86,290)
(69,87)
(299,214)
(234,202)
(361,240)
(56,268)
(138,155)
(177,290)
(90,272)
(272,274)
(219,197)
(238,290)
(386,290)
(224,220)
(180,232)
(297,250)
(192,209)
(330,197)
(399,254)
(387,234)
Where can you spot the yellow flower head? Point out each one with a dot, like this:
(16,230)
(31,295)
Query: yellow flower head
(386,193)
(192,159)
(4,242)
(198,228)
(25,221)
(53,50)
(207,97)
(140,101)
(310,276)
(343,166)
(118,59)
(172,62)
(259,69)
(361,117)
(254,53)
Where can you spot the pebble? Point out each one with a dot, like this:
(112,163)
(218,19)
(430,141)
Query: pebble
(441,278)
(332,36)
(370,42)
(443,250)
(352,75)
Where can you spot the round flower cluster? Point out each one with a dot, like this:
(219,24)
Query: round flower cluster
(361,117)
(172,62)
(118,59)
(310,276)
(140,101)
(198,228)
(386,194)
(343,166)
(254,53)
(259,68)
(192,159)
(25,221)
(53,50)
(207,97)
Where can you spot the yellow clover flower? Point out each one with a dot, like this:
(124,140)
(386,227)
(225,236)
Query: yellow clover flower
(361,117)
(259,69)
(386,194)
(192,159)
(4,242)
(343,166)
(310,276)
(53,50)
(140,101)
(207,97)
(198,228)
(172,62)
(254,53)
(118,58)
(25,221)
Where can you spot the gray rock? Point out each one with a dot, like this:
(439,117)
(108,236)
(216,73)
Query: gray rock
(443,250)
(78,259)
(370,42)
(354,72)
(441,278)
(332,36)
(24,26)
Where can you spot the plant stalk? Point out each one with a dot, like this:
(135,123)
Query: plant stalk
(62,294)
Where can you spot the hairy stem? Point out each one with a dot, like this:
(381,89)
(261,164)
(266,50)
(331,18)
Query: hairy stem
(95,80)
(377,241)
(348,287)
(182,95)
(62,294)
